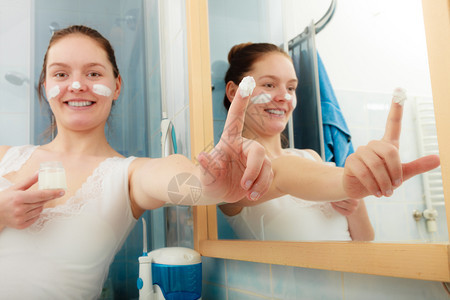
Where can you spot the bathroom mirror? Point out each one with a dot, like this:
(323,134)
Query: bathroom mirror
(363,71)
(428,261)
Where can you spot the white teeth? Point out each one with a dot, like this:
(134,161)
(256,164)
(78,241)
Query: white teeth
(275,112)
(79,103)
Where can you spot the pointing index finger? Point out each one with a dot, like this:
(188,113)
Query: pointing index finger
(236,112)
(394,120)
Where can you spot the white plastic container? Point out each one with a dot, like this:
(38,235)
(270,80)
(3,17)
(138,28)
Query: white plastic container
(52,176)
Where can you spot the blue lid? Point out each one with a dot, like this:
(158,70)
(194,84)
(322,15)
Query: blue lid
(178,282)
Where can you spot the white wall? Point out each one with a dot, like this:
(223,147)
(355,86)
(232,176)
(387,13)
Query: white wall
(371,45)
(15,19)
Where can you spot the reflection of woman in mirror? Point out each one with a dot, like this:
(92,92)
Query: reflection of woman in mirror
(300,174)
(58,242)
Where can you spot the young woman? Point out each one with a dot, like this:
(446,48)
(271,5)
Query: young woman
(374,169)
(58,244)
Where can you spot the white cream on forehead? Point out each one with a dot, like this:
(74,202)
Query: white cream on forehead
(76,85)
(53,92)
(101,90)
(399,96)
(246,86)
(261,99)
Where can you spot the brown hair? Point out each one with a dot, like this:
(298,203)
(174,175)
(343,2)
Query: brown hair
(241,59)
(81,30)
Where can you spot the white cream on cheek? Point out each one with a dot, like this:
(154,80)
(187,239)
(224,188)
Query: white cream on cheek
(261,99)
(101,90)
(53,92)
(266,98)
(294,103)
(287,96)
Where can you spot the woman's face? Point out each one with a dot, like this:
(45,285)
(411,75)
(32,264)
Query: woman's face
(273,98)
(80,84)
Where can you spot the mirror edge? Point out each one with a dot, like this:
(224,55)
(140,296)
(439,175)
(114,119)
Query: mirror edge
(200,96)
(437,25)
(415,261)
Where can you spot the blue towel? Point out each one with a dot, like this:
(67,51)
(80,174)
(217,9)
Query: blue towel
(337,138)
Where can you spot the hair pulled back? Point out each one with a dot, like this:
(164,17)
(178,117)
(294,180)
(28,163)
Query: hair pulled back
(241,59)
(82,30)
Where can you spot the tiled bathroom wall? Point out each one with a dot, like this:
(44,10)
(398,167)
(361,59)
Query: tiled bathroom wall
(237,280)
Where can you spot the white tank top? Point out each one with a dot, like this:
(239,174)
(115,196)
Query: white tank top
(288,218)
(66,253)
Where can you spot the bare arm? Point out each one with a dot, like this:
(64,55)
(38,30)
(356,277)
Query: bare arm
(374,169)
(307,179)
(300,177)
(358,220)
(359,224)
(173,180)
(235,168)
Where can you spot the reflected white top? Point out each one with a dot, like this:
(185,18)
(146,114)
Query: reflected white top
(66,253)
(288,218)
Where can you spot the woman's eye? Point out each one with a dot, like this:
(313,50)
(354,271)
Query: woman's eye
(60,75)
(292,89)
(94,74)
(269,85)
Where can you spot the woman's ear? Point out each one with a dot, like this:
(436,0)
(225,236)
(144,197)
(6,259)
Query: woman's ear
(231,90)
(118,87)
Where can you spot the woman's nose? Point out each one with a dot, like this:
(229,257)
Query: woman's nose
(77,86)
(281,95)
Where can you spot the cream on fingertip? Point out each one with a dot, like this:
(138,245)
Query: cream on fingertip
(247,86)
(399,96)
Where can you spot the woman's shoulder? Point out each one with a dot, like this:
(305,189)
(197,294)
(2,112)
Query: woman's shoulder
(3,150)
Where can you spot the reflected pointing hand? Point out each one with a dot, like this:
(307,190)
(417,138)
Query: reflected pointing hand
(236,167)
(376,169)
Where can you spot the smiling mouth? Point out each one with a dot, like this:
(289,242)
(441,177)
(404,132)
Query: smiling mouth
(276,112)
(79,103)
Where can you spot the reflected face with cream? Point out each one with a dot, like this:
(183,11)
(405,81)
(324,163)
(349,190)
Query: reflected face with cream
(80,84)
(273,98)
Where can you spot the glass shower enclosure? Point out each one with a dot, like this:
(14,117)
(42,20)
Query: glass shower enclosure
(133,128)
